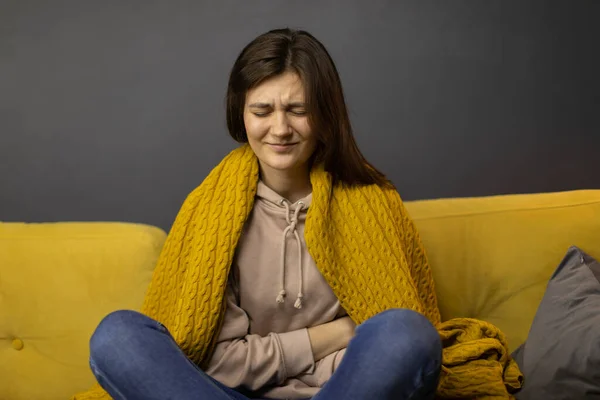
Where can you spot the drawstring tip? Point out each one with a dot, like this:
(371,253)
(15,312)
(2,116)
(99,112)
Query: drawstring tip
(281,297)
(298,303)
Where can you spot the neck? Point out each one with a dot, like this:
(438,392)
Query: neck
(292,185)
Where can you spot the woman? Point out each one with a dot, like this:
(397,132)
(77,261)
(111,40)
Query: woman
(293,271)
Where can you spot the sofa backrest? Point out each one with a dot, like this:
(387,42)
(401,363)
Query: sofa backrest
(492,256)
(57,281)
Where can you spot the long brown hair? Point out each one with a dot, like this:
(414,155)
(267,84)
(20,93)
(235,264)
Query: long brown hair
(281,50)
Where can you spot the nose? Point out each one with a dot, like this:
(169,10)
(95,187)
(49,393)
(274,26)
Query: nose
(281,126)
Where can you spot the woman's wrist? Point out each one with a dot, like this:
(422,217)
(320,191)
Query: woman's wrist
(347,330)
(330,337)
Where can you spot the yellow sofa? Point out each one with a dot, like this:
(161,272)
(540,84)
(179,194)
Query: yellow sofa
(491,259)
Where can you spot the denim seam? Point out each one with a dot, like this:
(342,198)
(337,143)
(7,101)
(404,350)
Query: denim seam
(426,377)
(98,373)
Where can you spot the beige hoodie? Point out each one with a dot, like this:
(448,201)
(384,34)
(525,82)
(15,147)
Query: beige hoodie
(274,293)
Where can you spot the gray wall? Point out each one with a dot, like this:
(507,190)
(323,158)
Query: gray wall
(113,110)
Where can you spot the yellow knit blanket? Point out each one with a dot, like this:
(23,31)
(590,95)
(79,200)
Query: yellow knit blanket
(362,241)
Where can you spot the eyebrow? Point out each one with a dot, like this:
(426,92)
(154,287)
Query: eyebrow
(267,105)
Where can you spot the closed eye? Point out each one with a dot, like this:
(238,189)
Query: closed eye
(298,112)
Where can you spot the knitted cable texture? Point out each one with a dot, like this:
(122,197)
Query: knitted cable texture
(363,242)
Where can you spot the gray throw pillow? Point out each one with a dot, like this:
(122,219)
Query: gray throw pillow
(561,357)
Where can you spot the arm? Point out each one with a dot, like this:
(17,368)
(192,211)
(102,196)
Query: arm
(253,361)
(330,337)
(324,369)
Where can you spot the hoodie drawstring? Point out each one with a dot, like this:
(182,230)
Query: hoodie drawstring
(291,228)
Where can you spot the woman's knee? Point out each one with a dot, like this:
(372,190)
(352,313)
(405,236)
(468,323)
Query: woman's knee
(404,335)
(113,333)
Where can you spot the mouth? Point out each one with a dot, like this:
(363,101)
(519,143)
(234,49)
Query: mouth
(282,147)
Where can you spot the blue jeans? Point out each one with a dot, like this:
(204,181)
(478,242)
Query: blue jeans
(394,355)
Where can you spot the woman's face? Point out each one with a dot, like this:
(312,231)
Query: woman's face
(276,121)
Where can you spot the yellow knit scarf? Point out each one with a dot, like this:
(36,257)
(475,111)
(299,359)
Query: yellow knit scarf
(362,241)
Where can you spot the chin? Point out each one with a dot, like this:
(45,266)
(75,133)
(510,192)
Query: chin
(280,163)
(279,166)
